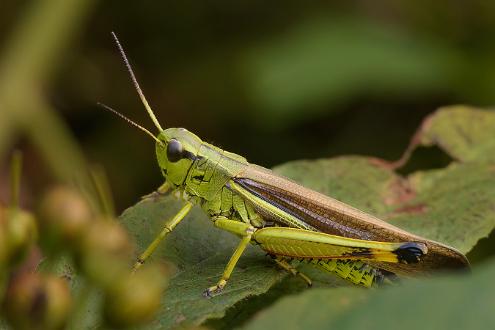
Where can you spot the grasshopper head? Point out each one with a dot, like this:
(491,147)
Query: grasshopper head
(176,150)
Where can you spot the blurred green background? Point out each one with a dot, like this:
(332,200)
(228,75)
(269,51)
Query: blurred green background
(273,81)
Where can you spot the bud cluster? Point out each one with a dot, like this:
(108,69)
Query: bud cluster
(100,250)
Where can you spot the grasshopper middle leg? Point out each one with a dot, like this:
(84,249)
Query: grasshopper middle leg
(291,269)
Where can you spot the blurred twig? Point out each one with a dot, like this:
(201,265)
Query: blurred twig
(15,179)
(102,186)
(30,56)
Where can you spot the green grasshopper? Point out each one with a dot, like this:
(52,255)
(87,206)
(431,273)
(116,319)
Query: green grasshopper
(288,221)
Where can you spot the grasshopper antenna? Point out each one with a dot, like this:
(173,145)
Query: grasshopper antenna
(106,107)
(136,84)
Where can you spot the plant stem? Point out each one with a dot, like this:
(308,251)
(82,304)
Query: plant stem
(29,59)
(15,179)
(104,193)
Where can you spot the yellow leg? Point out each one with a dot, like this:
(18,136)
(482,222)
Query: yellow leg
(162,190)
(167,228)
(239,228)
(288,267)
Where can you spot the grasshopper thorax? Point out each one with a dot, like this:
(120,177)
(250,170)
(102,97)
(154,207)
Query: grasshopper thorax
(176,151)
(176,148)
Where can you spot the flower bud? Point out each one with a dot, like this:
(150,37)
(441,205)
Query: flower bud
(21,233)
(64,216)
(35,301)
(3,238)
(106,251)
(135,298)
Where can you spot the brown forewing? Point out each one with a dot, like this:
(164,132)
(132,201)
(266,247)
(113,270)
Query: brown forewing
(331,216)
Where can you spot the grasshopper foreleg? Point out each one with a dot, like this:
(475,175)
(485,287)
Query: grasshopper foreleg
(167,228)
(246,232)
(163,190)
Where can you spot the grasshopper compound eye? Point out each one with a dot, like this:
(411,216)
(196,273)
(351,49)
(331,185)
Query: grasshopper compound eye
(175,151)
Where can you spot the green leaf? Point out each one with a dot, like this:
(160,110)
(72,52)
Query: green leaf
(453,205)
(463,132)
(447,302)
(311,309)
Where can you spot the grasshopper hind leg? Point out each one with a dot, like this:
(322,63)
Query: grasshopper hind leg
(355,271)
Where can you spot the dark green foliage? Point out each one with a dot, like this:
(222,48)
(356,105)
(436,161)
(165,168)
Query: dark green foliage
(446,302)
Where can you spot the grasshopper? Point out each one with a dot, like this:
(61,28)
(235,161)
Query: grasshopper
(288,221)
